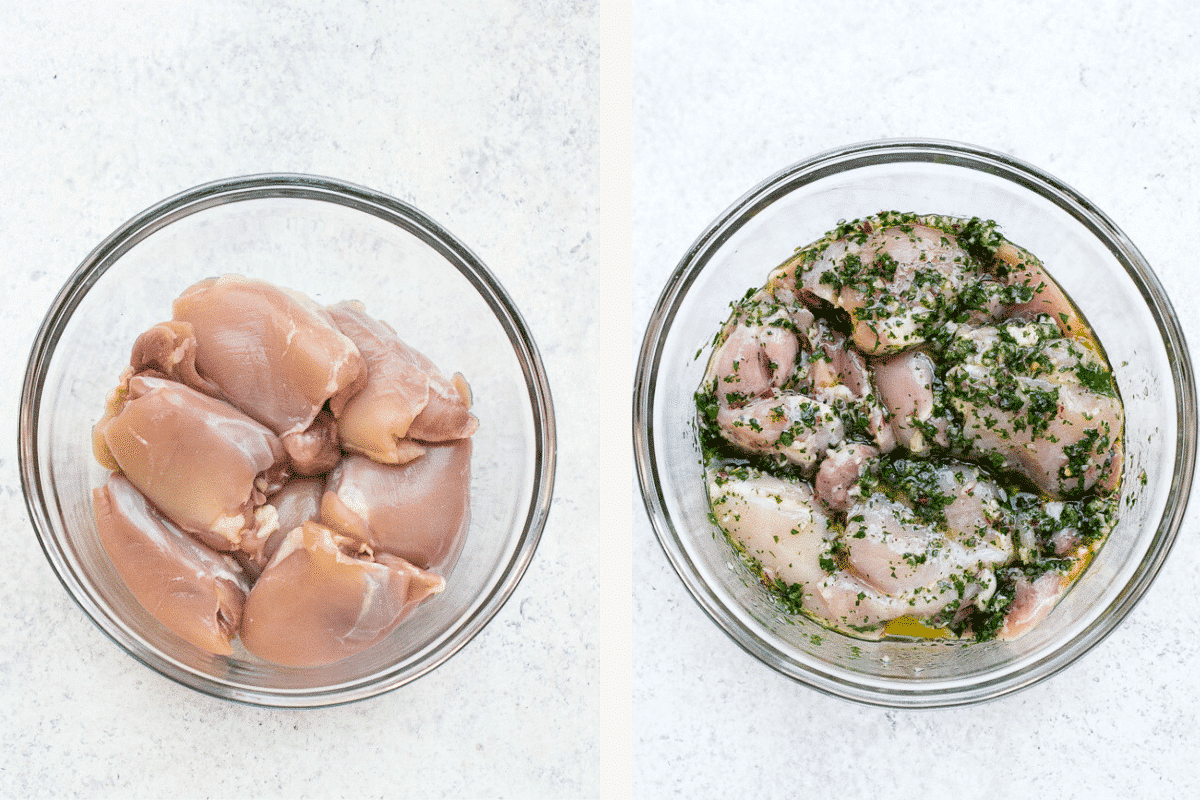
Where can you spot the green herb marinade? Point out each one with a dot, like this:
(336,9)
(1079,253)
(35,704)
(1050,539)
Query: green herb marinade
(1019,365)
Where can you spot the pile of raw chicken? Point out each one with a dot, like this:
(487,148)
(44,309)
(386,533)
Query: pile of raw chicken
(292,474)
(911,423)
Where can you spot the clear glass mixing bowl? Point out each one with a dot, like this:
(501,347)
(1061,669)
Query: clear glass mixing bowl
(333,241)
(1099,268)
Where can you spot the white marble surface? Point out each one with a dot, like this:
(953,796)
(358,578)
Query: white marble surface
(483,115)
(1102,95)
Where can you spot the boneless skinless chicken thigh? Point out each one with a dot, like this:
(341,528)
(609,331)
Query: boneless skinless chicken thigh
(316,603)
(274,353)
(417,511)
(405,400)
(190,588)
(911,420)
(255,423)
(202,462)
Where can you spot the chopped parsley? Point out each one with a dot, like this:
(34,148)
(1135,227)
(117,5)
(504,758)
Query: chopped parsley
(999,385)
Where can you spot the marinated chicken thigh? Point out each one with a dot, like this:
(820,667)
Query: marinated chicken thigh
(894,282)
(1037,403)
(958,422)
(776,522)
(930,540)
(837,481)
(1023,269)
(797,428)
(906,387)
(885,563)
(759,354)
(788,385)
(1032,603)
(194,591)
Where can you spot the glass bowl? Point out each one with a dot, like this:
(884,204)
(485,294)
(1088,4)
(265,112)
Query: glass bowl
(1099,268)
(332,241)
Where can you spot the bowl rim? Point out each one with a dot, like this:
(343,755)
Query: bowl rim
(879,691)
(275,185)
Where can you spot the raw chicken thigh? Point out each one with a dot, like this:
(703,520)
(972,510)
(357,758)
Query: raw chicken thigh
(316,603)
(418,511)
(203,463)
(405,397)
(316,449)
(447,415)
(911,423)
(194,591)
(275,354)
(168,350)
(263,458)
(299,501)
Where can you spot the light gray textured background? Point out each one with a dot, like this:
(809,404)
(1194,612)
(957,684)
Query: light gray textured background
(484,116)
(1102,95)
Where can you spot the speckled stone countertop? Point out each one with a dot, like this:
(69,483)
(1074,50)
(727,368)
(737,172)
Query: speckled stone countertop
(484,116)
(1101,95)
